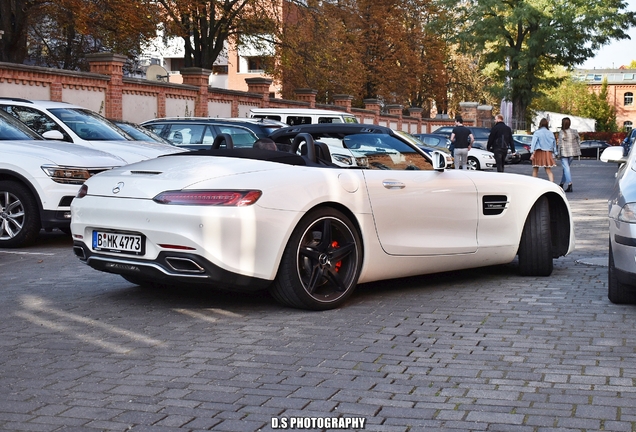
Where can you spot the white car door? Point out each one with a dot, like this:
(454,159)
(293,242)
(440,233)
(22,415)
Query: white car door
(419,211)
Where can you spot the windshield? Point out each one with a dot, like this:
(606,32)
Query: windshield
(139,133)
(87,124)
(11,129)
(387,152)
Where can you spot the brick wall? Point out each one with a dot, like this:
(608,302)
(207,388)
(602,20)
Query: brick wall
(105,90)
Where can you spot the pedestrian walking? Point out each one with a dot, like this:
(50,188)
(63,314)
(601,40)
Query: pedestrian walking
(543,149)
(569,147)
(462,139)
(500,141)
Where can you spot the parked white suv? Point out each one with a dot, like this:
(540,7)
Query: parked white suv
(74,124)
(39,179)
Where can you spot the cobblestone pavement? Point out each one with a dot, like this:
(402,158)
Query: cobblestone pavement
(473,350)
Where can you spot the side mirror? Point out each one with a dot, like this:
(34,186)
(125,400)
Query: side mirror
(439,160)
(53,135)
(614,154)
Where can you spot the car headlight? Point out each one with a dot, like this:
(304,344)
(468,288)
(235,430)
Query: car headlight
(66,175)
(343,159)
(488,156)
(628,213)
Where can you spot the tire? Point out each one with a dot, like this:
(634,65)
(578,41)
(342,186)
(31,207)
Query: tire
(19,215)
(321,263)
(535,248)
(618,292)
(472,163)
(66,230)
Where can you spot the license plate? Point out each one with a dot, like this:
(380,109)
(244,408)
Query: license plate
(109,241)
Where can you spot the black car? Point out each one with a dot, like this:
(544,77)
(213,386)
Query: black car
(199,132)
(593,148)
(431,142)
(522,149)
(479,133)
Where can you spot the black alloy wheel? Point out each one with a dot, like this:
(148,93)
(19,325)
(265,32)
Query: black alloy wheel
(321,262)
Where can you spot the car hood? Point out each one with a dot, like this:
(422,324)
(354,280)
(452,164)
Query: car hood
(148,178)
(135,151)
(59,153)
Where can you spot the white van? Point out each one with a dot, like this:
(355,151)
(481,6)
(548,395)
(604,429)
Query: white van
(296,116)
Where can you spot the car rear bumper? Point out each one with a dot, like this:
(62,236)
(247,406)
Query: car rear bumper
(170,267)
(624,253)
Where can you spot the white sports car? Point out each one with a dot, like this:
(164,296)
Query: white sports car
(307,229)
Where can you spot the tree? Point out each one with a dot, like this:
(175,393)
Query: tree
(316,49)
(382,49)
(207,25)
(14,22)
(525,39)
(60,33)
(599,109)
(574,98)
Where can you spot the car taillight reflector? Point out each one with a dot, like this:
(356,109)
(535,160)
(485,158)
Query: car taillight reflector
(172,246)
(237,198)
(82,191)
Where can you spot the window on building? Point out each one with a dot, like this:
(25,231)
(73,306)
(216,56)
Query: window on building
(628,99)
(628,76)
(219,69)
(176,64)
(257,64)
(628,126)
(598,77)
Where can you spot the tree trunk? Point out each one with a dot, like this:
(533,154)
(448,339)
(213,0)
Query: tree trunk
(13,45)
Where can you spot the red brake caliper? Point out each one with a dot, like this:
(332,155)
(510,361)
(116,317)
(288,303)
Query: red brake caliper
(334,245)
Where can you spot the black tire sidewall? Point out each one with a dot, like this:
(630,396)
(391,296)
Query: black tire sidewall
(535,247)
(288,288)
(31,227)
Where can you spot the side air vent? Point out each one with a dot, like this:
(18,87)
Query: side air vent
(494,204)
(146,172)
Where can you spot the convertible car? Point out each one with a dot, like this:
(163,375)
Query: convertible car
(310,230)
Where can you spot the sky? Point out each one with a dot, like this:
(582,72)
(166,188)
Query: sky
(617,53)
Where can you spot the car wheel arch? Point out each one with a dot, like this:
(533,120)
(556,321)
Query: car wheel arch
(13,176)
(22,214)
(560,224)
(285,288)
(347,212)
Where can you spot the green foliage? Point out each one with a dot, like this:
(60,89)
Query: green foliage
(575,98)
(526,39)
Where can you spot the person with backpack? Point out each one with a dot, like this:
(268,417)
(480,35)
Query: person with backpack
(499,141)
(462,139)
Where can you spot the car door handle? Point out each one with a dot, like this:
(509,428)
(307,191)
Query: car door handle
(393,184)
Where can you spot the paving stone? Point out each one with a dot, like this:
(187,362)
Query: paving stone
(474,350)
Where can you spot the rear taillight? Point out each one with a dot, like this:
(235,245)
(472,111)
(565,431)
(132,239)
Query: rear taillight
(229,198)
(82,191)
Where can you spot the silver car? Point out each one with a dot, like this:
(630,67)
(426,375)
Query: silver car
(622,227)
